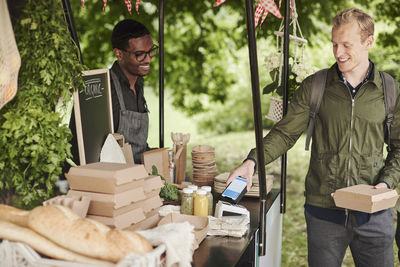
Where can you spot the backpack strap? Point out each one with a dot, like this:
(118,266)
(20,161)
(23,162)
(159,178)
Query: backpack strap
(390,98)
(317,91)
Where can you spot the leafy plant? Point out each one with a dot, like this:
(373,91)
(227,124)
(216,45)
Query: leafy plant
(33,142)
(168,192)
(298,71)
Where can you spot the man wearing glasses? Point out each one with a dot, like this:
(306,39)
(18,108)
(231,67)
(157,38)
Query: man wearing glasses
(134,49)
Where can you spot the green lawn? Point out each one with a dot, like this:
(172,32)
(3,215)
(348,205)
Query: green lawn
(230,151)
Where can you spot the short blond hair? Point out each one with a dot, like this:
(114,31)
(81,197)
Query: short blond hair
(365,21)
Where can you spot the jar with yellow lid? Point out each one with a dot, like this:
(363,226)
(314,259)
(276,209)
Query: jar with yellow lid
(200,203)
(187,201)
(209,198)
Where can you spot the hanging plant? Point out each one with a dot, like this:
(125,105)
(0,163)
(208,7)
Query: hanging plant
(33,143)
(298,71)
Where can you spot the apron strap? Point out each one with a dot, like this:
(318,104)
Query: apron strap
(118,90)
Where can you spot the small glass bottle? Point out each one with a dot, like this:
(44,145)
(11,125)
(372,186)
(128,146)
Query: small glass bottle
(187,201)
(200,203)
(209,198)
(194,188)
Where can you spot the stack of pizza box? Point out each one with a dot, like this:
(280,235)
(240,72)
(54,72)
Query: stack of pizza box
(121,195)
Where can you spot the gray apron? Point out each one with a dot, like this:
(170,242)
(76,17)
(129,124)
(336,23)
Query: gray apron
(134,126)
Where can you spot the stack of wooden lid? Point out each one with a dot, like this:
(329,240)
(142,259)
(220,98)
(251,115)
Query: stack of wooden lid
(220,184)
(204,165)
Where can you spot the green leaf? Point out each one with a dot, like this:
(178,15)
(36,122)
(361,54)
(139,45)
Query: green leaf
(270,88)
(279,90)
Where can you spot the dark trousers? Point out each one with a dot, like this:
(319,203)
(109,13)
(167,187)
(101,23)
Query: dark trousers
(371,244)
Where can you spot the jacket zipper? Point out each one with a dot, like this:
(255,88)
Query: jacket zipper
(350,146)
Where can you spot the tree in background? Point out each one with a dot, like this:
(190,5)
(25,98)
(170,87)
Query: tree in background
(203,63)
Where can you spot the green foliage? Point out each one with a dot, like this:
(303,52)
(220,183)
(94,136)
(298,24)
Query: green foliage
(198,41)
(168,192)
(33,143)
(202,43)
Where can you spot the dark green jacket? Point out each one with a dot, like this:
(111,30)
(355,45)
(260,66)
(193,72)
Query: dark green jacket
(348,139)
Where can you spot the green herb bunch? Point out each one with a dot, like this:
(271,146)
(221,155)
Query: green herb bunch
(168,192)
(33,143)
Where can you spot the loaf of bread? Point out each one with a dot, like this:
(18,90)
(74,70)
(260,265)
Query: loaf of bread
(18,233)
(84,236)
(14,215)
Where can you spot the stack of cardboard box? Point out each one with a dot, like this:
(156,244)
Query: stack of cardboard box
(121,195)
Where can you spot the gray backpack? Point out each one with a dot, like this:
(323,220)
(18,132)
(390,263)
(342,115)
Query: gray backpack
(317,91)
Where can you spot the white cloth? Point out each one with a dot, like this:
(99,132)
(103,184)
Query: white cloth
(111,151)
(10,60)
(150,259)
(226,226)
(178,239)
(167,209)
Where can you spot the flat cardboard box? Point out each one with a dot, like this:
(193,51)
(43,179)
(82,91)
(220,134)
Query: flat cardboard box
(118,200)
(122,221)
(159,158)
(79,204)
(105,177)
(107,209)
(152,182)
(365,198)
(151,221)
(200,224)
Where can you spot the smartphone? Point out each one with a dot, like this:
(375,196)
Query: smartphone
(235,190)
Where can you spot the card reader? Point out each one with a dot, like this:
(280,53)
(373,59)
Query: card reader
(226,209)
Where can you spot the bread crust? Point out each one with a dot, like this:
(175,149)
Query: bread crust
(13,232)
(84,236)
(14,215)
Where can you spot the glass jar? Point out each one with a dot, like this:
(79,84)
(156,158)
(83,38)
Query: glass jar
(209,198)
(194,188)
(201,203)
(187,201)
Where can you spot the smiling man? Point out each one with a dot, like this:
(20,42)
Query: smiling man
(134,49)
(347,149)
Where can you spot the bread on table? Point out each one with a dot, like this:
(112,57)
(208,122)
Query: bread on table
(13,232)
(84,236)
(14,215)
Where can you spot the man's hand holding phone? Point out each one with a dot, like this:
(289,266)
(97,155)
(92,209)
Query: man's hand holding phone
(245,170)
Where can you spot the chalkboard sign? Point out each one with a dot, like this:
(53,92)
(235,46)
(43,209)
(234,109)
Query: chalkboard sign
(93,114)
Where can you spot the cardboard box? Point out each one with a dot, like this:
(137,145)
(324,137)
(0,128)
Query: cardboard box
(121,221)
(151,221)
(365,198)
(200,224)
(127,151)
(107,208)
(159,158)
(117,200)
(104,177)
(79,204)
(152,183)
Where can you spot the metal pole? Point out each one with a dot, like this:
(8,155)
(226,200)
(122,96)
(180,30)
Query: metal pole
(255,86)
(285,98)
(71,26)
(161,70)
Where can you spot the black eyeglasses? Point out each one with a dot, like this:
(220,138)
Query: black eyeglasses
(141,55)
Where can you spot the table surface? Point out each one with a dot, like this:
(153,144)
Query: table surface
(226,251)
